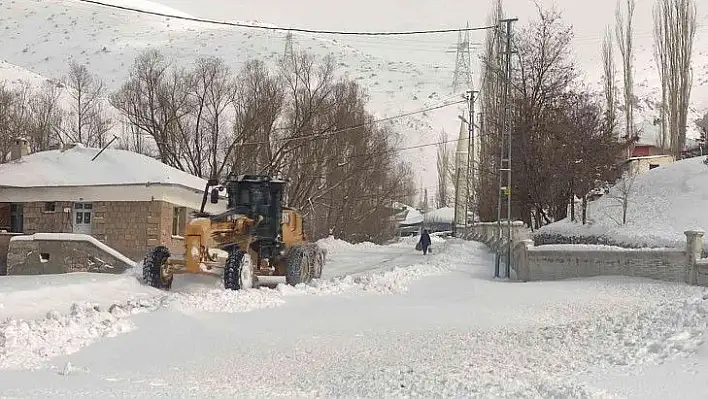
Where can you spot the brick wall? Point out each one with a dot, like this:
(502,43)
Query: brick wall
(37,220)
(33,257)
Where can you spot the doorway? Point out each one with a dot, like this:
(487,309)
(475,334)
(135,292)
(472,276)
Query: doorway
(83,217)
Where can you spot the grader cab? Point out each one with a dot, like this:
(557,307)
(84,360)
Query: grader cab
(256,237)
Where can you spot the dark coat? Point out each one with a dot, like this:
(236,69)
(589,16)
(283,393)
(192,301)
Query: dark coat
(425,240)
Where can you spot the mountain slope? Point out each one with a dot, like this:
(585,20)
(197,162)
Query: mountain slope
(401,73)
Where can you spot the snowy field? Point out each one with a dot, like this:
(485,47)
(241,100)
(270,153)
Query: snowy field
(385,321)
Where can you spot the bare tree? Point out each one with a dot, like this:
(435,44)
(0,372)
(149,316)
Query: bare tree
(674,32)
(609,81)
(492,93)
(443,166)
(155,101)
(624,36)
(86,121)
(622,193)
(30,112)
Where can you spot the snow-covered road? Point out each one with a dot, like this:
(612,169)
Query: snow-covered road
(383,322)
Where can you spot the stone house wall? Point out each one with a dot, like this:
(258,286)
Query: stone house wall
(131,228)
(39,220)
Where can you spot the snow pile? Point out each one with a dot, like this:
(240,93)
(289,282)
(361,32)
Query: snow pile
(30,297)
(28,343)
(663,203)
(332,244)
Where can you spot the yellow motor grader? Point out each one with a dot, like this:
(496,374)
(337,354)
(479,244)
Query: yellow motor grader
(255,237)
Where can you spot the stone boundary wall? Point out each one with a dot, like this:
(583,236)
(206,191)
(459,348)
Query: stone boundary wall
(4,247)
(555,262)
(48,253)
(488,233)
(551,239)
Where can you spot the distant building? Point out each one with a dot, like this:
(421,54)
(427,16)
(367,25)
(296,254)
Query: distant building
(643,164)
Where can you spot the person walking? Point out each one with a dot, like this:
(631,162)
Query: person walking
(425,241)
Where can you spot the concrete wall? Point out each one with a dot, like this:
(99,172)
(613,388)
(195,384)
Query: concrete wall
(39,256)
(532,263)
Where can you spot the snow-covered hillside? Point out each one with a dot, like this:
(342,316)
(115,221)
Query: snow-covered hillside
(662,204)
(402,73)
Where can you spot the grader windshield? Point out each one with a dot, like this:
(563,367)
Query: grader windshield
(259,197)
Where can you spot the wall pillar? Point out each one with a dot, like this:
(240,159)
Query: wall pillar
(694,251)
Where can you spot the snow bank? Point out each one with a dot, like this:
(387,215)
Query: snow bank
(28,343)
(30,297)
(664,202)
(332,244)
(46,316)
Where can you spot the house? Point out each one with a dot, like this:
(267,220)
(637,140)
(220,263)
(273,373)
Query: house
(642,164)
(128,201)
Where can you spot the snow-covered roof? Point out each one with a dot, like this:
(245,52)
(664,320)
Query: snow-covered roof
(74,167)
(644,157)
(442,215)
(115,175)
(413,216)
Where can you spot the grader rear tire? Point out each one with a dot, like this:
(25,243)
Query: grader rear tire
(156,273)
(299,267)
(238,271)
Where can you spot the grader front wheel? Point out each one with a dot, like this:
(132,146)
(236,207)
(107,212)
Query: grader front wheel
(156,271)
(238,270)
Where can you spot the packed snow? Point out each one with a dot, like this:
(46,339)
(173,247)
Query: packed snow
(663,203)
(406,325)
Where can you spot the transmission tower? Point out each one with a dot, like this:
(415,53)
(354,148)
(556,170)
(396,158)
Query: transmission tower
(463,63)
(289,54)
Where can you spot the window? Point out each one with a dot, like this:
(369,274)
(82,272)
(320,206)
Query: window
(17,218)
(179,218)
(50,207)
(652,166)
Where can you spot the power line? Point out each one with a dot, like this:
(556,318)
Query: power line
(316,136)
(276,28)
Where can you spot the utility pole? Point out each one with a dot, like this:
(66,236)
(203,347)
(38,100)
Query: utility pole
(470,151)
(505,152)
